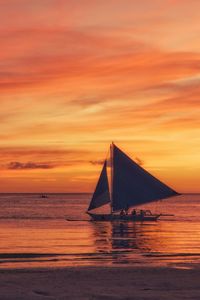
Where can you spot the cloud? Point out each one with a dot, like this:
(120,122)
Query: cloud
(101,161)
(24,158)
(97,162)
(77,72)
(39,151)
(113,60)
(15,165)
(139,161)
(50,54)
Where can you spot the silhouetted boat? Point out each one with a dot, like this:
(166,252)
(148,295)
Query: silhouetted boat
(43,196)
(129,186)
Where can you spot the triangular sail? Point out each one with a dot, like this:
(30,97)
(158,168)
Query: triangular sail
(101,195)
(132,185)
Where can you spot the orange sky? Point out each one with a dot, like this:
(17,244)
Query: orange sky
(76,75)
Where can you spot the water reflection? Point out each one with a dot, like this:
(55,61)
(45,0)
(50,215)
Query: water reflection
(61,243)
(32,227)
(123,239)
(147,243)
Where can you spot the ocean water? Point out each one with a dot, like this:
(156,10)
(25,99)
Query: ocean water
(34,232)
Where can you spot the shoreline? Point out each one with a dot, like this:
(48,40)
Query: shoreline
(109,282)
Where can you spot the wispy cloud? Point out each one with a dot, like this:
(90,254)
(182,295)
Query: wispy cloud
(15,165)
(76,75)
(97,162)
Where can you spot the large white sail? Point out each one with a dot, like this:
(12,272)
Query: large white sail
(132,185)
(101,194)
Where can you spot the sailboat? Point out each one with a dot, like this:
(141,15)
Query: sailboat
(130,185)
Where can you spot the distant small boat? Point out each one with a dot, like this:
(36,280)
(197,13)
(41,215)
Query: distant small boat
(43,196)
(129,186)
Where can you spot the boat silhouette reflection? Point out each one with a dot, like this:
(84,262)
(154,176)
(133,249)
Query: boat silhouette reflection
(148,244)
(123,242)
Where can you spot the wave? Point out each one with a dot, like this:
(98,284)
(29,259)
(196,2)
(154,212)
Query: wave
(30,218)
(27,255)
(171,254)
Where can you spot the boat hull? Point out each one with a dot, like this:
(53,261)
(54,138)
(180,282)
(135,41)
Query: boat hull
(132,218)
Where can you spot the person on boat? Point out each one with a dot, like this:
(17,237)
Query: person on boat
(133,213)
(122,213)
(142,213)
(126,210)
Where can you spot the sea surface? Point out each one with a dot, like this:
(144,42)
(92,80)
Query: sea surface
(34,232)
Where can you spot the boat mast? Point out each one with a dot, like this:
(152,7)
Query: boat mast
(111,168)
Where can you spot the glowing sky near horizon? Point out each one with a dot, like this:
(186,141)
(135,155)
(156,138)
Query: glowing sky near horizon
(76,75)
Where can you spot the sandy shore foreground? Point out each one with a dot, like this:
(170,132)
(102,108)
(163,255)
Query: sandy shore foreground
(100,283)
